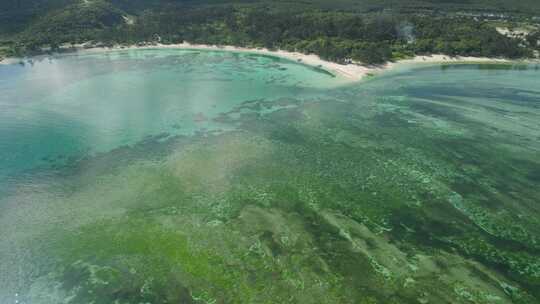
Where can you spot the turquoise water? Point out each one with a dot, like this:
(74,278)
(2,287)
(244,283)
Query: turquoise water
(68,107)
(184,176)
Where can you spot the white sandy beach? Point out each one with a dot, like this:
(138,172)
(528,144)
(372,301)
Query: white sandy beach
(9,60)
(441,59)
(351,72)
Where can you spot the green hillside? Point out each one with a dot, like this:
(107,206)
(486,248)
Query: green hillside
(76,22)
(17,14)
(339,30)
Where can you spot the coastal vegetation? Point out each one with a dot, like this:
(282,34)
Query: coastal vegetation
(360,33)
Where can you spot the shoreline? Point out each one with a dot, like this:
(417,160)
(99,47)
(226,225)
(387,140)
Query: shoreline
(352,72)
(443,59)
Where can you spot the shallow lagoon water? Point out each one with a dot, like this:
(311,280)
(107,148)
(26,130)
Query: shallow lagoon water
(175,176)
(57,108)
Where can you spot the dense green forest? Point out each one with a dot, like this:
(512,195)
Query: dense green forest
(341,30)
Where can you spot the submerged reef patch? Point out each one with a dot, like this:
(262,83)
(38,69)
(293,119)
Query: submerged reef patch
(355,196)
